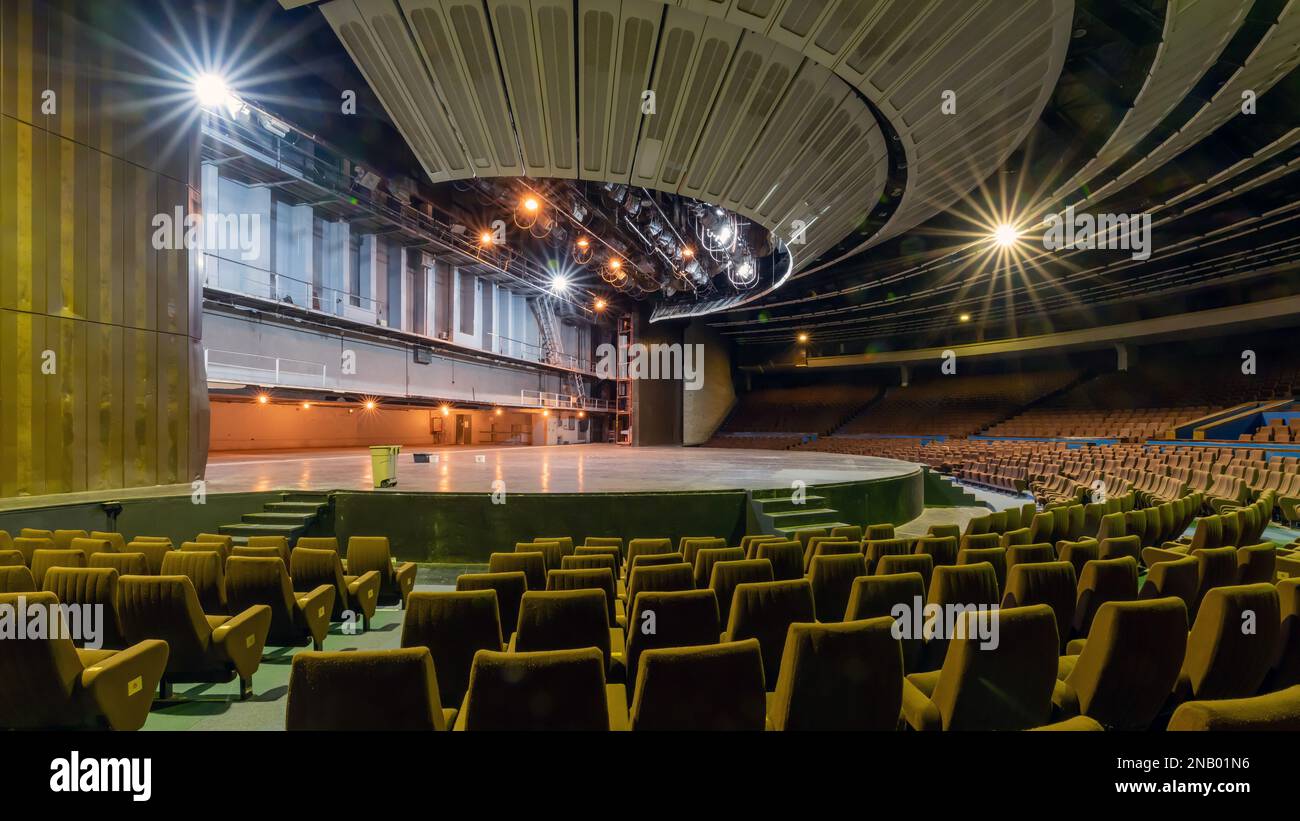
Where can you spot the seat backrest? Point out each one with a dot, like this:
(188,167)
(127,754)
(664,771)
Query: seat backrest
(995,556)
(125,564)
(922,563)
(601,579)
(980,541)
(38,676)
(90,546)
(17,578)
(563,620)
(1049,583)
(1175,578)
(713,687)
(453,626)
(309,568)
(978,525)
(220,548)
(256,553)
(509,589)
(1103,580)
(1256,563)
(318,543)
(647,547)
(1018,536)
(1029,554)
(670,618)
(1130,662)
(43,560)
(253,580)
(580,561)
(1208,533)
(217,538)
(875,549)
(552,552)
(952,531)
(1279,711)
(804,535)
(765,611)
(366,553)
(166,608)
(839,677)
(655,560)
(1224,658)
(63,538)
(614,552)
(727,575)
(1286,673)
(91,587)
(832,582)
(532,565)
(36,533)
(1117,547)
(206,572)
(603,541)
(879,531)
(751,542)
(1078,553)
(153,553)
(677,576)
(942,549)
(966,584)
(279,544)
(28,545)
(1004,687)
(706,558)
(786,558)
(1216,567)
(851,532)
(690,546)
(336,691)
(1231,525)
(556,690)
(565,543)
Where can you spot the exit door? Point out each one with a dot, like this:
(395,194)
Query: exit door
(464,429)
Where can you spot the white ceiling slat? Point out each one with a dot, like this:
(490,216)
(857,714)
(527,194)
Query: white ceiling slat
(679,46)
(473,44)
(598,32)
(516,47)
(638,39)
(553,24)
(434,38)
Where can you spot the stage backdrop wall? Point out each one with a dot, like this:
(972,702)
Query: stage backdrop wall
(101,381)
(704,410)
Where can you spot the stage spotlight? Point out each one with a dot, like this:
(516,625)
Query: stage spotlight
(485,238)
(559,284)
(527,213)
(371,404)
(582,251)
(601,305)
(803,337)
(1006,235)
(688,252)
(263,399)
(211,90)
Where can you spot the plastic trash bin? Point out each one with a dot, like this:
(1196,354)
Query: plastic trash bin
(383,464)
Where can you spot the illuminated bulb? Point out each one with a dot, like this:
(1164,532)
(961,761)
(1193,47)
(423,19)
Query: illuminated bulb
(446,411)
(498,411)
(1006,235)
(531,205)
(582,414)
(601,305)
(803,337)
(559,283)
(964,318)
(306,406)
(211,90)
(687,253)
(616,264)
(584,243)
(370,404)
(263,399)
(485,238)
(546,413)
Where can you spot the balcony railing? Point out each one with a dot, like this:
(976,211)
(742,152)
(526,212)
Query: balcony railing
(233,366)
(541,399)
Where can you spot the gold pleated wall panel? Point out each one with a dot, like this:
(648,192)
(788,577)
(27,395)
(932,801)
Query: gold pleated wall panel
(98,387)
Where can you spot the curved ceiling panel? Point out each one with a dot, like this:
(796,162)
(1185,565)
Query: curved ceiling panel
(554,89)
(1195,33)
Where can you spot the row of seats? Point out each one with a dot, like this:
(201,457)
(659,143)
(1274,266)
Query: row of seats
(204,617)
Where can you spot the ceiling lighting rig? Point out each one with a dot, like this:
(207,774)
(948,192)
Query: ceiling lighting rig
(637,241)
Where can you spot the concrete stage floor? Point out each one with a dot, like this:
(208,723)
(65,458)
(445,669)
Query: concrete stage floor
(559,469)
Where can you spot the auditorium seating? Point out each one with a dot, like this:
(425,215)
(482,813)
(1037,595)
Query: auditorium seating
(840,677)
(558,690)
(296,618)
(396,580)
(50,684)
(1278,711)
(726,680)
(358,594)
(453,627)
(337,691)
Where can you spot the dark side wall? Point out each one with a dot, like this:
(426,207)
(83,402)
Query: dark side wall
(658,403)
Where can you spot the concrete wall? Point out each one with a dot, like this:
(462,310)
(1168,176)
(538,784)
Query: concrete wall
(100,366)
(657,418)
(704,410)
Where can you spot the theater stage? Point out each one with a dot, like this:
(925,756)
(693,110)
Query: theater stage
(559,469)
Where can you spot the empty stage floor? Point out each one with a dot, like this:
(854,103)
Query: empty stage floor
(558,469)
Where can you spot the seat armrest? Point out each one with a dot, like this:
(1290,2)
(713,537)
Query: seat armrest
(616,703)
(405,575)
(1075,647)
(315,608)
(121,687)
(242,638)
(918,710)
(459,726)
(1065,701)
(364,591)
(510,646)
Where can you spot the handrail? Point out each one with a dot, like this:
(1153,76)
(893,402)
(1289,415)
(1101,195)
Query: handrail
(558,401)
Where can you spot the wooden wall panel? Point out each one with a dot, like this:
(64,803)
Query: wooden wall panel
(123,400)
